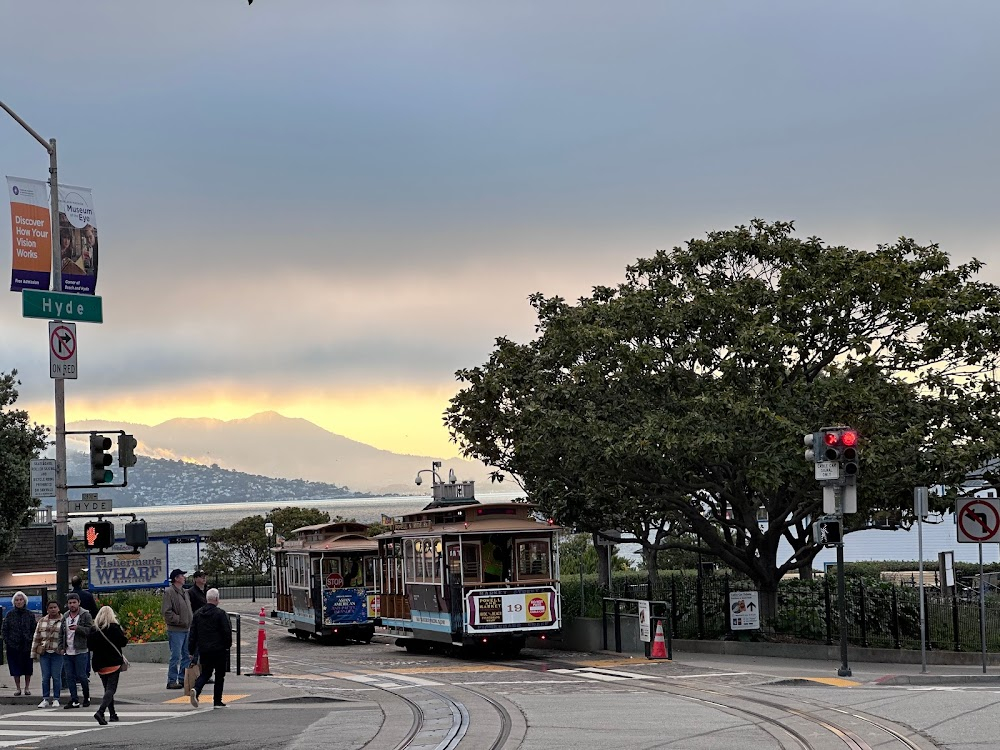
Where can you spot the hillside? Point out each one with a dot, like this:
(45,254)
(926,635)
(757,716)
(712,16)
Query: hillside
(271,445)
(158,481)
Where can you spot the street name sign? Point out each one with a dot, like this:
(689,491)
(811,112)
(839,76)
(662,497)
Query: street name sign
(90,506)
(85,308)
(744,610)
(62,350)
(43,477)
(979,520)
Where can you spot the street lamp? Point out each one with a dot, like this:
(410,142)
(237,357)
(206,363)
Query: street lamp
(269,532)
(436,478)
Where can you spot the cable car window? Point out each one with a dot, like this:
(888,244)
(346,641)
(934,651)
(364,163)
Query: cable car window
(533,559)
(455,562)
(410,556)
(369,573)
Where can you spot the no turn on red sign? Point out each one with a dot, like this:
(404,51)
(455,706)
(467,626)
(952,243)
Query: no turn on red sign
(979,520)
(62,350)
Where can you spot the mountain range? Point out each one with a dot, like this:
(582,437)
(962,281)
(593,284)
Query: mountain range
(271,445)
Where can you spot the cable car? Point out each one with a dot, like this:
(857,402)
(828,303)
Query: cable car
(461,574)
(325,584)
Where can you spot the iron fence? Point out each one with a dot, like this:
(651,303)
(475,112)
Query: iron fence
(880,614)
(255,587)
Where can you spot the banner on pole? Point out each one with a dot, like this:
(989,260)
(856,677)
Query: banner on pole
(31,232)
(77,239)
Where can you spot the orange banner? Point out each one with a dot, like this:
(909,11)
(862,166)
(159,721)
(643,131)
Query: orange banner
(31,230)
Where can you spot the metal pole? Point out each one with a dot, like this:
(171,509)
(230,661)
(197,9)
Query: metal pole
(62,499)
(583,610)
(982,606)
(845,670)
(919,503)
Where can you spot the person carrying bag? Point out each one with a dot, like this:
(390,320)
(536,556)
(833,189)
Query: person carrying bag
(108,660)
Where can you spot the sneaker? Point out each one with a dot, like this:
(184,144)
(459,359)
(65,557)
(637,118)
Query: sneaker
(55,703)
(219,705)
(44,704)
(113,717)
(100,719)
(72,704)
(194,699)
(27,692)
(175,686)
(17,693)
(86,703)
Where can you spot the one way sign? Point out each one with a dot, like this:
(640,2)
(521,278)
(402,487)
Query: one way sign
(62,349)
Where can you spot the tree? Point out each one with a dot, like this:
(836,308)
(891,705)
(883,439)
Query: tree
(19,444)
(678,399)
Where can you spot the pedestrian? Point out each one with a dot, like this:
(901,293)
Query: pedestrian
(177,613)
(79,625)
(197,591)
(106,644)
(49,646)
(211,638)
(18,634)
(87,600)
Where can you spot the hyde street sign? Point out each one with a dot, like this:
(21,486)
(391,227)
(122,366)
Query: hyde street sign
(85,308)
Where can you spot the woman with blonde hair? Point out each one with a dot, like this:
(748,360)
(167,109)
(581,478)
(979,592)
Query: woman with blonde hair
(18,632)
(106,646)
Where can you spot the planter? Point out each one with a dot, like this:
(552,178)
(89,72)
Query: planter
(157,652)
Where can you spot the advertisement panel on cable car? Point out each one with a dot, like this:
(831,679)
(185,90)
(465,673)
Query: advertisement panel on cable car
(345,606)
(503,609)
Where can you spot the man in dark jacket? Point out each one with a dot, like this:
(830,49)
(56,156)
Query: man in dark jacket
(87,600)
(197,591)
(211,638)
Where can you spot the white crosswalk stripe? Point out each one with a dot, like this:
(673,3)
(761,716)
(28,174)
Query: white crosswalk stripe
(35,725)
(383,680)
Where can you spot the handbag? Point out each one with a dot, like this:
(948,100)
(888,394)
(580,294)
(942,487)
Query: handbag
(124,666)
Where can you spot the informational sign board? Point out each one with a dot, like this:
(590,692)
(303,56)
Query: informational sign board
(374,606)
(345,606)
(62,350)
(121,568)
(503,609)
(744,610)
(644,621)
(43,477)
(827,470)
(978,520)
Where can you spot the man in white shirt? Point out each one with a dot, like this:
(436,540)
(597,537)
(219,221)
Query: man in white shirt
(79,625)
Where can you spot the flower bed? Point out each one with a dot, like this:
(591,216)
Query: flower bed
(139,614)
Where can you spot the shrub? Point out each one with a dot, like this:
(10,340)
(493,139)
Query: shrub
(139,614)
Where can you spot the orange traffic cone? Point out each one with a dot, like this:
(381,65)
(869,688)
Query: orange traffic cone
(262,667)
(659,645)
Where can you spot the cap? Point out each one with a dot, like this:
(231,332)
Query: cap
(177,572)
(198,574)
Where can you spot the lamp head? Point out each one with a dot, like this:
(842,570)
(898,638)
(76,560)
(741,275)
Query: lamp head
(451,476)
(418,481)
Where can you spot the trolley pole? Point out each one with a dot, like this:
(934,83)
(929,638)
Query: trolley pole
(62,498)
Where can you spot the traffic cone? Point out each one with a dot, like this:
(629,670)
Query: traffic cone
(262,668)
(659,644)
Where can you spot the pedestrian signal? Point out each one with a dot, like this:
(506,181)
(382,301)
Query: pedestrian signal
(136,534)
(99,535)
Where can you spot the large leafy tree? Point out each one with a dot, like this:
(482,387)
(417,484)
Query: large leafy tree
(19,443)
(674,404)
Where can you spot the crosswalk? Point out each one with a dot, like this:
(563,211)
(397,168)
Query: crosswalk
(26,727)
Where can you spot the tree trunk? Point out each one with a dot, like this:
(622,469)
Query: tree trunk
(806,572)
(652,573)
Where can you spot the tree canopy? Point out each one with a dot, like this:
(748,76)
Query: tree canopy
(674,404)
(20,442)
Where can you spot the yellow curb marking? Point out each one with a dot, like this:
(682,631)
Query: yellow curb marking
(835,681)
(446,669)
(225,697)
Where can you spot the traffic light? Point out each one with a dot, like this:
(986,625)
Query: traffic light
(126,450)
(840,444)
(136,534)
(811,441)
(100,460)
(828,532)
(99,535)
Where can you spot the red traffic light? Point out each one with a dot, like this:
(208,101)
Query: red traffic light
(830,438)
(849,438)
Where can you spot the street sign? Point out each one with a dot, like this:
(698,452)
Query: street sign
(827,470)
(979,520)
(85,308)
(43,477)
(335,581)
(744,610)
(644,621)
(62,350)
(90,506)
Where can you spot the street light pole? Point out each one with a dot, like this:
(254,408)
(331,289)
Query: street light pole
(62,498)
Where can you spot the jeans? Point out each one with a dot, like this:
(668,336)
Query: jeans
(78,670)
(179,657)
(51,665)
(212,661)
(110,682)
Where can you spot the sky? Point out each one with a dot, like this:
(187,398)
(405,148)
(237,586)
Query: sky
(326,208)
